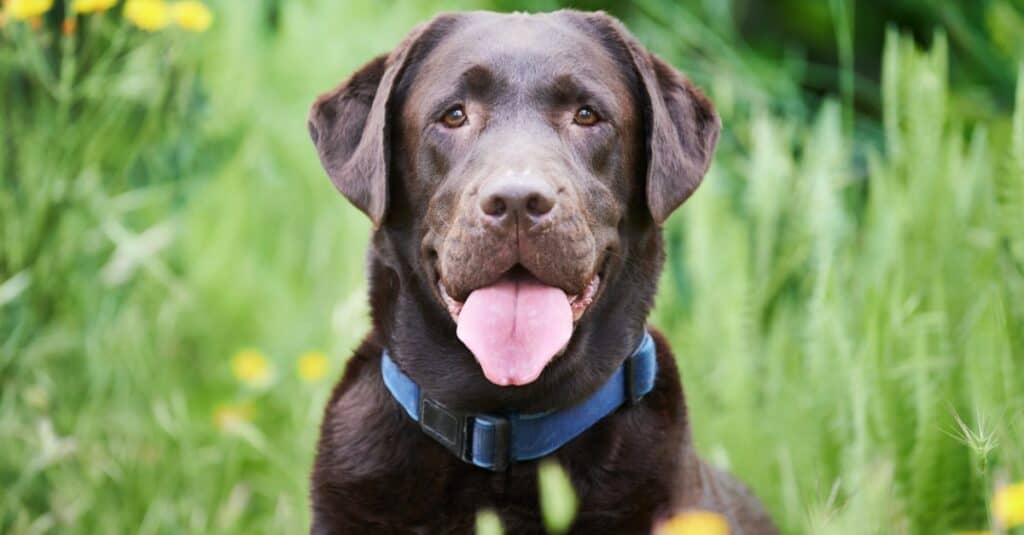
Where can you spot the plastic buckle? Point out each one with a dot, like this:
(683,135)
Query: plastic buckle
(448,427)
(501,447)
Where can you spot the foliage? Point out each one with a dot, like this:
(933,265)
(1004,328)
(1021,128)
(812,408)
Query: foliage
(557,498)
(861,318)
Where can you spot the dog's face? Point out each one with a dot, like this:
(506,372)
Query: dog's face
(517,168)
(524,164)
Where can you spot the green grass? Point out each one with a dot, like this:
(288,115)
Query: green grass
(846,301)
(834,323)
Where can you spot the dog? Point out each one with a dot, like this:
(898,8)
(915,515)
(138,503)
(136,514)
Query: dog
(517,169)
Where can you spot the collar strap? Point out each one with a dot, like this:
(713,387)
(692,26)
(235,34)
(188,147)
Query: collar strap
(492,441)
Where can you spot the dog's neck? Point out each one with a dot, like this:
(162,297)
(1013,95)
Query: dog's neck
(494,440)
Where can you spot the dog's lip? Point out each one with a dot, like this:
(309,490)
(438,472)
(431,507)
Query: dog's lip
(454,307)
(579,303)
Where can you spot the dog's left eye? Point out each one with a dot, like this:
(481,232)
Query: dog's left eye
(454,117)
(586,116)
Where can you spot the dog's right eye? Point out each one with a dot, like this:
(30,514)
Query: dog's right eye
(454,117)
(586,116)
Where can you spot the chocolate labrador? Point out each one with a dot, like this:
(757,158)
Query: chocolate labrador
(517,170)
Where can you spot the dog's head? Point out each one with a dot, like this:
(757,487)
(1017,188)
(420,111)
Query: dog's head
(516,169)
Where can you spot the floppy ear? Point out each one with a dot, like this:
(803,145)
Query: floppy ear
(682,135)
(681,124)
(350,125)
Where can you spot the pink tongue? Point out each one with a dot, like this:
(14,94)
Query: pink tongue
(515,327)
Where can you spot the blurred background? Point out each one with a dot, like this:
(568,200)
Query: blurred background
(180,284)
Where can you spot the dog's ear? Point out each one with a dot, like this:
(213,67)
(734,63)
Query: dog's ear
(680,122)
(682,135)
(350,125)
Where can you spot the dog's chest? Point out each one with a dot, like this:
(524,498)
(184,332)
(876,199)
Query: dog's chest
(423,488)
(454,506)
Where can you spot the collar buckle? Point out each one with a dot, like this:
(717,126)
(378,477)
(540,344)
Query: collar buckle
(463,434)
(495,438)
(448,427)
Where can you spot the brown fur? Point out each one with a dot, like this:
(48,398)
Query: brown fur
(520,78)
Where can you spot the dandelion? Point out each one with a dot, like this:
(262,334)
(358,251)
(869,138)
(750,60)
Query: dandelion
(228,415)
(27,9)
(252,368)
(1008,505)
(192,16)
(91,6)
(695,523)
(150,15)
(312,366)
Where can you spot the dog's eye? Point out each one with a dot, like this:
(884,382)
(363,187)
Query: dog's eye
(586,116)
(454,117)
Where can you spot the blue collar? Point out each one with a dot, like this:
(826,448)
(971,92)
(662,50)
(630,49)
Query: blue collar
(492,441)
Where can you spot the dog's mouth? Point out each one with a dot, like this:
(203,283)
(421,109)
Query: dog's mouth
(579,303)
(517,325)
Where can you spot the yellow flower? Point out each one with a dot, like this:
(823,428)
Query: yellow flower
(1008,505)
(91,6)
(695,523)
(192,16)
(27,9)
(252,368)
(313,366)
(227,415)
(150,15)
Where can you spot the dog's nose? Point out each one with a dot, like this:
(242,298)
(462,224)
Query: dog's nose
(524,197)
